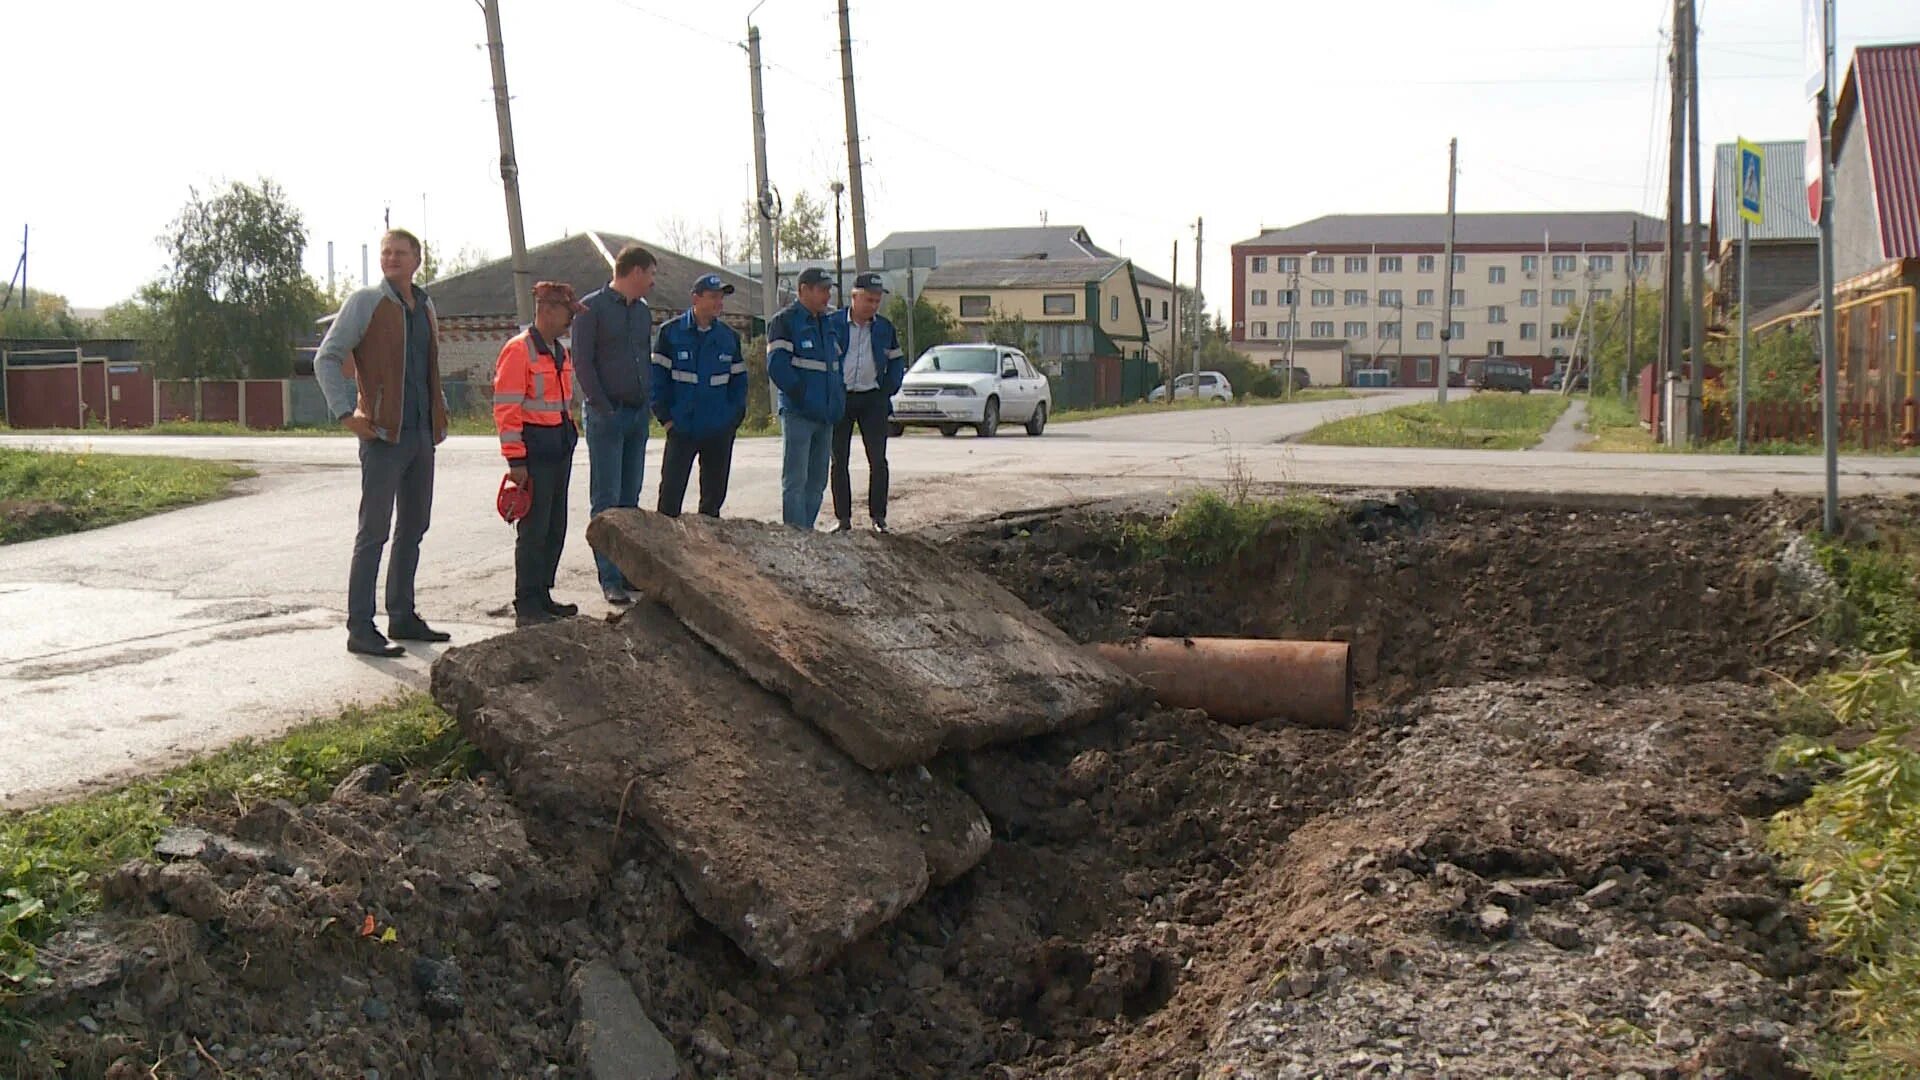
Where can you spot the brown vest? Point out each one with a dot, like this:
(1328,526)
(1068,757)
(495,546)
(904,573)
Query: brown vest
(380,369)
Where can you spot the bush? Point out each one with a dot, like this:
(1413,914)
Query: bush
(1210,528)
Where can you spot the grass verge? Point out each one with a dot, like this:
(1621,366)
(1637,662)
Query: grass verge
(1136,408)
(1614,423)
(1481,422)
(48,494)
(1855,844)
(51,859)
(1210,528)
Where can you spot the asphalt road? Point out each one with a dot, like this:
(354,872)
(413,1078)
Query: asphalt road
(129,648)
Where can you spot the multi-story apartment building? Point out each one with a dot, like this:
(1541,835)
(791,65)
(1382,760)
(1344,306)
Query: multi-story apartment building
(1373,282)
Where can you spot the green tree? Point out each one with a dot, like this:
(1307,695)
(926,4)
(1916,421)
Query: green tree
(933,324)
(1783,364)
(1608,321)
(801,232)
(1011,331)
(145,318)
(46,316)
(237,294)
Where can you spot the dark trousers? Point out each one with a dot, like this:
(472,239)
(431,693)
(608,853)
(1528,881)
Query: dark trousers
(392,475)
(543,533)
(676,465)
(869,409)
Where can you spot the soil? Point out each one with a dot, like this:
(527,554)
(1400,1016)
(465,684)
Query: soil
(1535,854)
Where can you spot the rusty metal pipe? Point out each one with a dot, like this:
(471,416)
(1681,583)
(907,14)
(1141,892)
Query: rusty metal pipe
(1244,680)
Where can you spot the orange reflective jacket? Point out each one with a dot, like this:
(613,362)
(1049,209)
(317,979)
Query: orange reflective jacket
(531,388)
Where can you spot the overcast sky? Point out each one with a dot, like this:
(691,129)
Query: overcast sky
(1127,117)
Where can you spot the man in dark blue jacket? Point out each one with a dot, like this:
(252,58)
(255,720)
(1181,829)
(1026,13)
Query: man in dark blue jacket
(610,339)
(700,396)
(803,363)
(872,367)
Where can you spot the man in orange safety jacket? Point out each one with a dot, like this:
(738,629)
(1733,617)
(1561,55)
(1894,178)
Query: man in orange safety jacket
(533,412)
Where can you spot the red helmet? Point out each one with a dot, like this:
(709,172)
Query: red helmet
(515,501)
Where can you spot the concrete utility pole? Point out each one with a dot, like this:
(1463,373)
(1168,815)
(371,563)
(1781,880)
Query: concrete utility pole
(1633,263)
(1446,305)
(1199,300)
(1829,344)
(509,168)
(854,183)
(1293,325)
(329,269)
(1173,329)
(364,279)
(1672,338)
(1696,305)
(764,203)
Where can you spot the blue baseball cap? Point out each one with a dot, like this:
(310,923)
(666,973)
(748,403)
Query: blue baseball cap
(870,283)
(712,283)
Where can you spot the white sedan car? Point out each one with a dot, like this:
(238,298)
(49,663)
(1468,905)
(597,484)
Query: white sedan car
(1211,386)
(976,386)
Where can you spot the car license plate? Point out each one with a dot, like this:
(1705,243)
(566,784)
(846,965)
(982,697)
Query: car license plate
(916,407)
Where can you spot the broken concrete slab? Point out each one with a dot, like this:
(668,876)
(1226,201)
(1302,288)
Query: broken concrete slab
(775,836)
(613,1038)
(893,648)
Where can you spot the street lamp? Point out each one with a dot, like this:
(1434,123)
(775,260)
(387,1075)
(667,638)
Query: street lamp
(839,262)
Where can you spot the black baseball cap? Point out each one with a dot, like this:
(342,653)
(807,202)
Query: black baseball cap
(814,275)
(870,282)
(711,283)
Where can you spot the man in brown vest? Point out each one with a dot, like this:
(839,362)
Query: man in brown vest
(379,366)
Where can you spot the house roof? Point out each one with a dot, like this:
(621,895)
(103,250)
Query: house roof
(585,261)
(1884,85)
(1566,229)
(1049,242)
(1021,273)
(1783,194)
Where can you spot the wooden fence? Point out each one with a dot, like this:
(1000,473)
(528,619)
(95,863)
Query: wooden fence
(1864,425)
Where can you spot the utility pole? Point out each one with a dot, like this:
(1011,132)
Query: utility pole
(329,269)
(1671,307)
(854,183)
(1829,346)
(509,168)
(19,273)
(839,260)
(1633,263)
(1446,305)
(769,270)
(1696,305)
(1199,299)
(1173,330)
(364,279)
(1293,325)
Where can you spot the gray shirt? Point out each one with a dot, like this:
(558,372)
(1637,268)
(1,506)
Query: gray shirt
(860,372)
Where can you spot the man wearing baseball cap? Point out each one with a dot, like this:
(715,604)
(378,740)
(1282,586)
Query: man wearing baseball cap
(872,369)
(699,391)
(803,362)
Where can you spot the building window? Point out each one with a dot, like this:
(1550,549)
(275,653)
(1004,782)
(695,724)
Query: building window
(1285,297)
(1356,264)
(1286,331)
(1323,298)
(1563,298)
(976,307)
(1425,264)
(1496,348)
(1566,264)
(1389,297)
(1113,309)
(1389,264)
(1323,264)
(1259,298)
(1423,369)
(1641,263)
(1288,265)
(1561,331)
(1323,329)
(1459,332)
(1496,313)
(1356,331)
(1459,298)
(1259,264)
(1259,330)
(1529,331)
(1389,331)
(1600,294)
(1600,264)
(1356,298)
(1529,264)
(1163,311)
(1423,331)
(1057,304)
(1423,298)
(1496,275)
(1459,264)
(1529,297)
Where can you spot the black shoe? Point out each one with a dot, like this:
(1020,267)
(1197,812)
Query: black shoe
(881,527)
(559,610)
(844,526)
(617,596)
(415,629)
(366,641)
(532,616)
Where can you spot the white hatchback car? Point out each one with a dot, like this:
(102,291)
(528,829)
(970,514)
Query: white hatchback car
(976,386)
(1212,386)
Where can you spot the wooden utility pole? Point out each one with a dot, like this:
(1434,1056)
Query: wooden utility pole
(1199,299)
(1446,305)
(1633,262)
(509,168)
(764,202)
(1829,345)
(1672,341)
(854,185)
(1173,343)
(1696,304)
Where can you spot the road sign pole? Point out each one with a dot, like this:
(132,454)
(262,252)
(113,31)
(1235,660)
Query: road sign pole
(1740,402)
(1751,160)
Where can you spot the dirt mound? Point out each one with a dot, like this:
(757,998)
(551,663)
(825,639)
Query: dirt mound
(1442,591)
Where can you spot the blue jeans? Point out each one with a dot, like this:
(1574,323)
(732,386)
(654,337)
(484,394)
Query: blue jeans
(807,450)
(617,456)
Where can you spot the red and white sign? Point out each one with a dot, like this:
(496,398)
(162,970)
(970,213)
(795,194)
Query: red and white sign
(1812,165)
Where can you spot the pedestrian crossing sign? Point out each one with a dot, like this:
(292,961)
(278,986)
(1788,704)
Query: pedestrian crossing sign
(1750,157)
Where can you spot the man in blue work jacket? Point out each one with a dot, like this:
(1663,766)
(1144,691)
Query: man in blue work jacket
(873,366)
(700,396)
(610,339)
(803,361)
